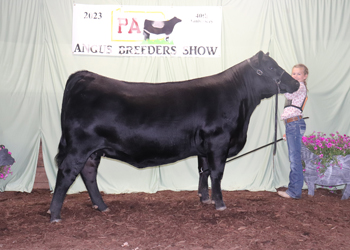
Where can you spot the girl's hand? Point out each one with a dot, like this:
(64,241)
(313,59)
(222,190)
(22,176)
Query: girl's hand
(284,137)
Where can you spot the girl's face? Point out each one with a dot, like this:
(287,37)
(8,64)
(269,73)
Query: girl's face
(298,74)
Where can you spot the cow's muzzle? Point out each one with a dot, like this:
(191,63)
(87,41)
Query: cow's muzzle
(287,83)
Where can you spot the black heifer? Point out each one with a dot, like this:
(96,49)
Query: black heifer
(159,27)
(147,124)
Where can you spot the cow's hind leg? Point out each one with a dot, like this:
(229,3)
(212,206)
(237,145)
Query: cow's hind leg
(88,175)
(66,175)
(204,172)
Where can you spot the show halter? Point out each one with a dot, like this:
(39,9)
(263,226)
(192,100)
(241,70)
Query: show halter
(260,73)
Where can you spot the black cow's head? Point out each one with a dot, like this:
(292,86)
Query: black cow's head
(274,78)
(176,20)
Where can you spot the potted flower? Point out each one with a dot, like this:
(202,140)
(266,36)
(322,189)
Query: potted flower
(326,161)
(6,162)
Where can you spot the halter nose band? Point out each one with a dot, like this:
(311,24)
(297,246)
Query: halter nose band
(281,76)
(278,81)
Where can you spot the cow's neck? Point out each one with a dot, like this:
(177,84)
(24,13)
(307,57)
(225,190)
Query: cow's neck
(246,87)
(250,96)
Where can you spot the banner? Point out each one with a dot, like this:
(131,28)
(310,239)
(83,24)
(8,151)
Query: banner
(110,30)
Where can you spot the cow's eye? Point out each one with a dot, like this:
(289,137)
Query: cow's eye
(271,68)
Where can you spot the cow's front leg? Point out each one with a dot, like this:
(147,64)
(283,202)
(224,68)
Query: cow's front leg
(145,35)
(88,175)
(217,164)
(65,178)
(204,172)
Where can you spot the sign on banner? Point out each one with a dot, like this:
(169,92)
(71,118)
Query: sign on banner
(146,30)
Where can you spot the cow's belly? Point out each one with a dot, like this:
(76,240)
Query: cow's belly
(142,143)
(145,148)
(147,155)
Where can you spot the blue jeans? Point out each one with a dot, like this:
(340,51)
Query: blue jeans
(294,133)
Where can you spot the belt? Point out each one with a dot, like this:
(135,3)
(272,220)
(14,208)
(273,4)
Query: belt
(295,118)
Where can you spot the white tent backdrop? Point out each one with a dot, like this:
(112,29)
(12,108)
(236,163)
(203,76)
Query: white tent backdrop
(36,60)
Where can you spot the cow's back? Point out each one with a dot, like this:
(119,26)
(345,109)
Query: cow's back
(158,101)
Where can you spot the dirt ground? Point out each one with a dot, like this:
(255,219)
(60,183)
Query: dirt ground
(176,220)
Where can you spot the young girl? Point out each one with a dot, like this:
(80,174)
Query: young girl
(295,129)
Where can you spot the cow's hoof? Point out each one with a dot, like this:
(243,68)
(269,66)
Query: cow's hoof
(208,201)
(220,205)
(106,210)
(56,221)
(221,208)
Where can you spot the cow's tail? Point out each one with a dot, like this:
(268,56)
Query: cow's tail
(71,82)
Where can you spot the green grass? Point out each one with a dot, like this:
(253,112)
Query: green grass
(158,41)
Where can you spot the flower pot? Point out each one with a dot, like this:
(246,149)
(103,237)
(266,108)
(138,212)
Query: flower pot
(333,176)
(6,162)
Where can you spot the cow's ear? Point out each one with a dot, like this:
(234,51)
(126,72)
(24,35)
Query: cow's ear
(260,55)
(268,53)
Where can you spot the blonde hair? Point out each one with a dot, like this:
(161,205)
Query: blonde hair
(306,70)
